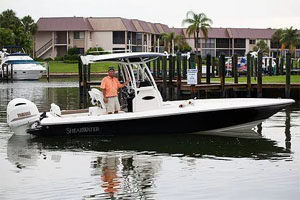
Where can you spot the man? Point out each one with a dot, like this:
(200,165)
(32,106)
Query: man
(109,87)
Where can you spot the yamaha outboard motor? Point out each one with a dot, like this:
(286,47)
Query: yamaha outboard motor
(21,114)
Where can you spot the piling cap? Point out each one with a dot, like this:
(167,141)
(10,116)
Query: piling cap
(111,68)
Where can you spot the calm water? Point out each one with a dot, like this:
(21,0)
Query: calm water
(146,167)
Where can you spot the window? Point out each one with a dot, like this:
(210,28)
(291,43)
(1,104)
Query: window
(119,37)
(209,43)
(239,43)
(78,35)
(139,38)
(222,43)
(205,52)
(90,35)
(252,41)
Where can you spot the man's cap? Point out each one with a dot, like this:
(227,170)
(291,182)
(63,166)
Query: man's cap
(111,68)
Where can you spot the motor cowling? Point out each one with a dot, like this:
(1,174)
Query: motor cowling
(21,114)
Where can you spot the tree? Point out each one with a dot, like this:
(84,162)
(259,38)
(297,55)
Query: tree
(22,29)
(6,37)
(170,40)
(197,23)
(276,38)
(289,39)
(262,46)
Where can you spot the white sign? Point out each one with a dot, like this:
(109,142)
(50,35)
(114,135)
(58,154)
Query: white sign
(192,76)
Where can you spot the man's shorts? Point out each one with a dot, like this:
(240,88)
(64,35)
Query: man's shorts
(112,105)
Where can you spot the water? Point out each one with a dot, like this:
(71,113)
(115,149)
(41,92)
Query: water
(267,166)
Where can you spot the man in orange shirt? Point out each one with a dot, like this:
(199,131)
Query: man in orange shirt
(109,87)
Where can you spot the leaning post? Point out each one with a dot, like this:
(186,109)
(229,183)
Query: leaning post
(199,65)
(288,75)
(208,65)
(234,66)
(259,74)
(222,73)
(249,75)
(192,66)
(164,77)
(178,56)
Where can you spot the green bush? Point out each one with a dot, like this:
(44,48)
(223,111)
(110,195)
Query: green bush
(71,58)
(48,59)
(73,51)
(95,51)
(59,58)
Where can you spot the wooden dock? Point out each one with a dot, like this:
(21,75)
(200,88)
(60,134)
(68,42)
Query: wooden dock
(170,75)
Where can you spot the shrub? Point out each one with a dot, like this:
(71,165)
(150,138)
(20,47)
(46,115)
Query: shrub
(73,51)
(95,51)
(59,58)
(48,59)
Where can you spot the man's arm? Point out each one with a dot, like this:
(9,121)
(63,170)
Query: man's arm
(124,84)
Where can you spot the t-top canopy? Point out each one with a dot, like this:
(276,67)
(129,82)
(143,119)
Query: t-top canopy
(118,57)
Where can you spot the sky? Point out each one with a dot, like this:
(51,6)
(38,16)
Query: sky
(224,13)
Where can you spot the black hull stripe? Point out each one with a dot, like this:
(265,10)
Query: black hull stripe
(174,124)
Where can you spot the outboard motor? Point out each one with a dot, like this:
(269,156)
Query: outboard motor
(21,114)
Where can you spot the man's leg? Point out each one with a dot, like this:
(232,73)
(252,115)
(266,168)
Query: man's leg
(110,106)
(117,105)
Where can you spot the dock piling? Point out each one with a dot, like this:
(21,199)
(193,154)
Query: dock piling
(234,68)
(288,75)
(199,65)
(259,74)
(164,77)
(248,75)
(208,65)
(222,73)
(178,57)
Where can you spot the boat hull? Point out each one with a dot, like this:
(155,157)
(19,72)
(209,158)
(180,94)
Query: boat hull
(173,124)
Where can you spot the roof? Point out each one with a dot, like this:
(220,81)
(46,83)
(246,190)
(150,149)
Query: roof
(232,33)
(118,57)
(252,33)
(108,24)
(64,24)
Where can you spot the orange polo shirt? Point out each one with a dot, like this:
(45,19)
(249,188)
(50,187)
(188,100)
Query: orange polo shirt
(111,86)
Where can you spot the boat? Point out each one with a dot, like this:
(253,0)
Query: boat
(144,111)
(23,66)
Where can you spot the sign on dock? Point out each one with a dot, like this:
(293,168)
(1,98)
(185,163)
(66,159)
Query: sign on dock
(192,76)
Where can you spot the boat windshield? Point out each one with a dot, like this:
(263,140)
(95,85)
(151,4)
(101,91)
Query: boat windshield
(21,62)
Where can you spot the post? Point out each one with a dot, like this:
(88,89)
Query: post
(199,64)
(48,71)
(249,74)
(192,66)
(7,73)
(251,66)
(222,73)
(89,72)
(259,74)
(80,79)
(178,56)
(255,68)
(85,85)
(270,67)
(288,75)
(11,73)
(277,66)
(213,66)
(158,66)
(281,65)
(184,67)
(171,67)
(234,67)
(154,68)
(208,64)
(164,77)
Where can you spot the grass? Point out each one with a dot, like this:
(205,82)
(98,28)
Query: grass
(60,67)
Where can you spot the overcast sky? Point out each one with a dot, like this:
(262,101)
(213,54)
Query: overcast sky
(224,13)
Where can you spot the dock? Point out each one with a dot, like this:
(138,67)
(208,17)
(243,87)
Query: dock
(170,74)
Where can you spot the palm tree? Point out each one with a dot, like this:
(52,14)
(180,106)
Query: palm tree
(289,38)
(170,40)
(276,38)
(197,23)
(262,46)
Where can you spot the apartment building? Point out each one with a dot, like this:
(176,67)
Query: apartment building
(56,35)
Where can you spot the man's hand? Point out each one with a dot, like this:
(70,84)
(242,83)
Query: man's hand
(105,100)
